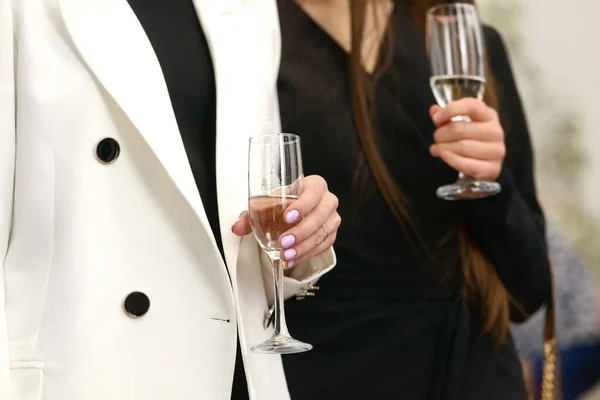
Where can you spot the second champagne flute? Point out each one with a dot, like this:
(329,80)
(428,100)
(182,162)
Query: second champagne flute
(457,56)
(274,182)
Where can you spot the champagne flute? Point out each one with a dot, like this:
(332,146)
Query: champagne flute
(274,182)
(457,57)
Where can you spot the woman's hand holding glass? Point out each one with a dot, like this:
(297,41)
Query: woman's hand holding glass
(474,148)
(316,208)
(293,218)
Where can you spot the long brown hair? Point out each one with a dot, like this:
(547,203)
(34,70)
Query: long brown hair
(482,286)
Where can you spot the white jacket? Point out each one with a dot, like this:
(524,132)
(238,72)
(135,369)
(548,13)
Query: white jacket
(78,236)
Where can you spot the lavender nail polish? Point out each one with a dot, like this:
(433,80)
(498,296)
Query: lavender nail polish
(289,254)
(235,223)
(288,241)
(292,216)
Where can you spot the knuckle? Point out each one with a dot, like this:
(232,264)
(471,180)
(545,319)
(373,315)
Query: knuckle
(502,151)
(317,192)
(330,240)
(496,170)
(335,200)
(445,111)
(500,133)
(464,102)
(337,221)
(475,107)
(493,113)
(470,104)
(318,183)
(323,221)
(497,133)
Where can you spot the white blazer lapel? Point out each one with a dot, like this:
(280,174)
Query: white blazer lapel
(240,67)
(115,47)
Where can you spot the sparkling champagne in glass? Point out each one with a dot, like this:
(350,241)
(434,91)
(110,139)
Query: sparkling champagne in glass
(274,183)
(457,57)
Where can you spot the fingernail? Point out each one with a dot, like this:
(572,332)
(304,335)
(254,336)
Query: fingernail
(437,117)
(287,241)
(290,264)
(233,225)
(289,254)
(433,150)
(292,216)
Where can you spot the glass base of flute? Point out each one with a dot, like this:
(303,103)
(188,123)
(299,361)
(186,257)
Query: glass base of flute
(281,342)
(467,187)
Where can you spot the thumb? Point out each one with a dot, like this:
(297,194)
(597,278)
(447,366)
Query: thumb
(241,227)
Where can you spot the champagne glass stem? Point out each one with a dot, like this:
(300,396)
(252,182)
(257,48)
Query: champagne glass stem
(280,325)
(464,178)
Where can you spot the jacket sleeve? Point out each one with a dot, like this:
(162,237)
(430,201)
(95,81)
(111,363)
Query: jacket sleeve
(510,226)
(7,165)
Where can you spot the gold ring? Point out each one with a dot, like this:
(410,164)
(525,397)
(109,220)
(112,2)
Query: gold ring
(326,233)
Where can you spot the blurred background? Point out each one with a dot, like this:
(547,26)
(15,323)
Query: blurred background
(555,53)
(556,57)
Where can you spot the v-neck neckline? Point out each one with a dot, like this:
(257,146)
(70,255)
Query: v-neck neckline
(386,82)
(332,41)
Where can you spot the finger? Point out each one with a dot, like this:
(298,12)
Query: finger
(310,224)
(316,244)
(478,169)
(314,189)
(434,109)
(241,227)
(475,109)
(482,131)
(485,151)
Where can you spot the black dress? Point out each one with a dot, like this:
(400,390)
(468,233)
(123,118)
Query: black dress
(173,29)
(389,322)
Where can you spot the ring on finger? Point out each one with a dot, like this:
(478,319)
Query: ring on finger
(326,233)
